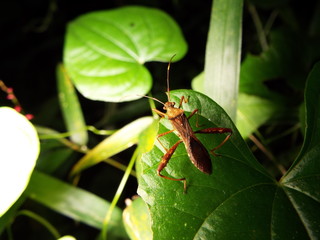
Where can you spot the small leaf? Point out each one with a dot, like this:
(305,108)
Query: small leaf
(253,111)
(136,218)
(71,108)
(280,61)
(19,151)
(105,50)
(119,141)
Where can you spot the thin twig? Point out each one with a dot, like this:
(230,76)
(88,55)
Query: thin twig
(270,156)
(259,28)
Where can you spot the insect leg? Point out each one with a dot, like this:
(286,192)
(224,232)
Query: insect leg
(164,161)
(193,113)
(162,134)
(182,99)
(161,114)
(219,131)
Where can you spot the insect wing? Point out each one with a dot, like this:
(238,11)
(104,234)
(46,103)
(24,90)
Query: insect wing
(199,155)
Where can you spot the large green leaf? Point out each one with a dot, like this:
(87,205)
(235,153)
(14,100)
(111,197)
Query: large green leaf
(239,200)
(19,145)
(105,51)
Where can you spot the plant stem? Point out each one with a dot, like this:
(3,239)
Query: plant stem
(122,184)
(42,221)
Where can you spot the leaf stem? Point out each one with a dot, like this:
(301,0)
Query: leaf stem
(42,221)
(257,23)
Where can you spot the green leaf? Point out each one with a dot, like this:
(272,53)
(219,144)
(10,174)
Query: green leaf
(302,181)
(223,52)
(312,94)
(105,51)
(19,151)
(119,141)
(136,218)
(253,111)
(71,108)
(197,82)
(74,202)
(239,200)
(280,61)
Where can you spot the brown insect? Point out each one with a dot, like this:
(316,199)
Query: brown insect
(197,153)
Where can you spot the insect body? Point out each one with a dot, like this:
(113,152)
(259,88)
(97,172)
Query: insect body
(197,153)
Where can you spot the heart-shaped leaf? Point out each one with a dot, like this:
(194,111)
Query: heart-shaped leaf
(239,200)
(105,51)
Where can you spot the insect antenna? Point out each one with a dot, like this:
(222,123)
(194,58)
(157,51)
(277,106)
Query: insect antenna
(168,78)
(155,99)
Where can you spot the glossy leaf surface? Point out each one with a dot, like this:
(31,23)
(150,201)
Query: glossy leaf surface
(105,51)
(239,200)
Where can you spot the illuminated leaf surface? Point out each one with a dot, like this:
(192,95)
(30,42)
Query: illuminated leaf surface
(136,218)
(19,145)
(70,107)
(239,200)
(119,141)
(253,111)
(223,50)
(105,51)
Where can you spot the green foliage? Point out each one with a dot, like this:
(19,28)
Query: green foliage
(239,195)
(107,57)
(137,219)
(119,141)
(73,202)
(105,51)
